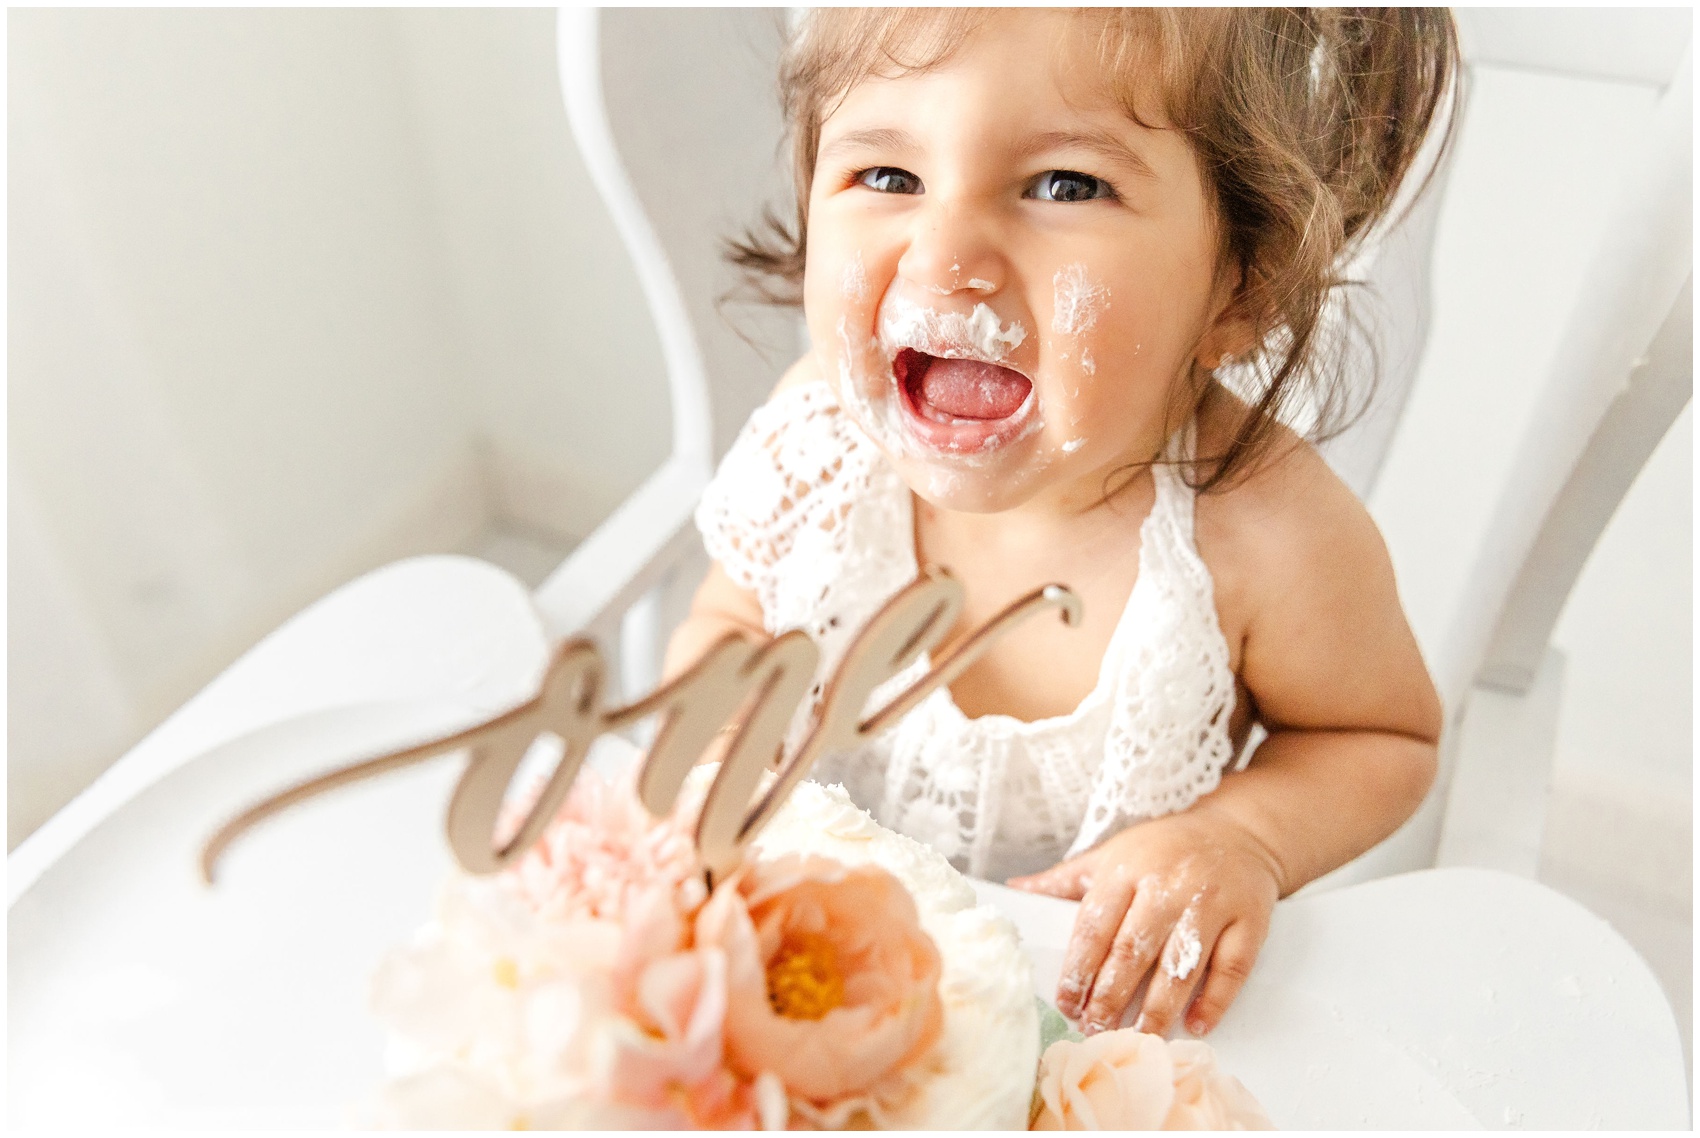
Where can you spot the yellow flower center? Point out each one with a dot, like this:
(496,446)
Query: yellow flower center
(803,981)
(506,971)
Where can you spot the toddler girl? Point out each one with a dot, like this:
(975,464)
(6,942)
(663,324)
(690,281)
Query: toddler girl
(1025,242)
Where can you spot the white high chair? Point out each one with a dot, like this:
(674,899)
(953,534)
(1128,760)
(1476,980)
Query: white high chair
(1448,998)
(1621,374)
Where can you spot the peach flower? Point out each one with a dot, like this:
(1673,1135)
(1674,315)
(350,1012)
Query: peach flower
(832,984)
(1206,1098)
(665,1055)
(1127,1080)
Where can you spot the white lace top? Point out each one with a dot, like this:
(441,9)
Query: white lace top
(807,513)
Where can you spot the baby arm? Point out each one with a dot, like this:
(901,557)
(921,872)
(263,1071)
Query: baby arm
(719,607)
(1335,676)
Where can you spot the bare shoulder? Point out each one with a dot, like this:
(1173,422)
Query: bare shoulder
(1287,516)
(1306,593)
(805,371)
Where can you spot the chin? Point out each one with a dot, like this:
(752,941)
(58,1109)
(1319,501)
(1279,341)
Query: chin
(967,490)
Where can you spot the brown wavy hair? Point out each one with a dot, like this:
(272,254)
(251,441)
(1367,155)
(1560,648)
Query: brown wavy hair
(1305,121)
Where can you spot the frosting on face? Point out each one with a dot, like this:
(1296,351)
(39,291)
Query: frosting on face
(963,259)
(978,335)
(870,391)
(870,386)
(855,280)
(1076,301)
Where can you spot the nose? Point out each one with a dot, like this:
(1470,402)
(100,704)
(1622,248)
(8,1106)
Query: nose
(951,250)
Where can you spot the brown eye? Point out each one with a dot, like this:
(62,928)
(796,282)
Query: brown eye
(1070,186)
(889,180)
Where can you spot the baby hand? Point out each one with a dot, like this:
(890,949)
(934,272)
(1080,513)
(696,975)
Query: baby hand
(1184,899)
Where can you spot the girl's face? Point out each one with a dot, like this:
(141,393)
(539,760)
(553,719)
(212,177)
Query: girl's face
(1008,277)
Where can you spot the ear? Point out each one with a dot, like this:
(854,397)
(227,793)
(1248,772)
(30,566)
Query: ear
(1234,330)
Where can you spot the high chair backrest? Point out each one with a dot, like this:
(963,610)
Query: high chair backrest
(1389,315)
(1620,373)
(674,114)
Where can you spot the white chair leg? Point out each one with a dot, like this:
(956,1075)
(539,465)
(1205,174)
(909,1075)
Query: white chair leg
(1497,804)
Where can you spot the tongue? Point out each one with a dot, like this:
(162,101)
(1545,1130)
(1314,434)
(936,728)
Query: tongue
(970,389)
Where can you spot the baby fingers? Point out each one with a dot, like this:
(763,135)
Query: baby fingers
(1097,929)
(1230,963)
(1130,959)
(1189,945)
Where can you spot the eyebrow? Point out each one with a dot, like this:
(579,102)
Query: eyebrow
(870,138)
(1101,142)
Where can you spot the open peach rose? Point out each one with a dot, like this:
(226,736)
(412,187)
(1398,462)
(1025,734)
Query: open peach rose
(1128,1080)
(1206,1097)
(680,1005)
(832,984)
(665,1054)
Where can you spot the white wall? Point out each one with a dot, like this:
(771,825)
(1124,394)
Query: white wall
(292,293)
(695,92)
(538,279)
(215,220)
(558,357)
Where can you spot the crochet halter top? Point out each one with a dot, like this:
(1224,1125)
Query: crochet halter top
(808,514)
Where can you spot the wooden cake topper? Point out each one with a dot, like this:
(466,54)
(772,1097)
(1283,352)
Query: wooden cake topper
(768,681)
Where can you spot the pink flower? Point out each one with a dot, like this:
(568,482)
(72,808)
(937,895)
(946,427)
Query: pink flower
(832,984)
(602,851)
(1126,1080)
(679,1013)
(622,887)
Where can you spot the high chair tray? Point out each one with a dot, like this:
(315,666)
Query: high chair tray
(1443,999)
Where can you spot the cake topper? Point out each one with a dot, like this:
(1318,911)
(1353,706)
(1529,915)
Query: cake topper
(766,680)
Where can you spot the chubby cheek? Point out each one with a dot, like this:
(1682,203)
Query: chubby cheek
(1107,379)
(1078,347)
(838,304)
(844,277)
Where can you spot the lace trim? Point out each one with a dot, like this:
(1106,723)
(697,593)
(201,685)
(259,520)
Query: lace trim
(806,513)
(1168,740)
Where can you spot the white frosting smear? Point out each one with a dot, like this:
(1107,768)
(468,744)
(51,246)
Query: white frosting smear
(854,281)
(869,393)
(978,335)
(1077,302)
(1184,958)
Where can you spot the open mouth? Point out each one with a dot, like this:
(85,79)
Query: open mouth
(960,405)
